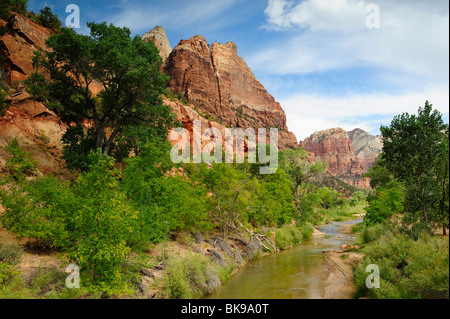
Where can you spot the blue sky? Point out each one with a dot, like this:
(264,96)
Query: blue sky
(318,58)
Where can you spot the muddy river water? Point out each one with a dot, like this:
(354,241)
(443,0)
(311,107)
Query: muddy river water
(296,273)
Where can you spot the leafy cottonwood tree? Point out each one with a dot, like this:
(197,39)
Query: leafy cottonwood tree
(233,193)
(112,80)
(300,171)
(415,150)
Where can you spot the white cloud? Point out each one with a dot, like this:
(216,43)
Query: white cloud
(413,37)
(317,15)
(307,114)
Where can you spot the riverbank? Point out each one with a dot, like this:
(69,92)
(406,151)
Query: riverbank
(340,283)
(189,265)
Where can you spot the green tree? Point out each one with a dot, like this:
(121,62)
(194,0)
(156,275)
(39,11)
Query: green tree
(442,170)
(386,202)
(166,202)
(301,172)
(275,203)
(233,194)
(19,6)
(413,146)
(47,19)
(379,175)
(37,86)
(102,226)
(128,108)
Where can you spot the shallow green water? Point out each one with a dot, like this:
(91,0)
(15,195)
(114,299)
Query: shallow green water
(297,273)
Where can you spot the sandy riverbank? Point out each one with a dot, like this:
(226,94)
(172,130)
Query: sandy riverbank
(339,284)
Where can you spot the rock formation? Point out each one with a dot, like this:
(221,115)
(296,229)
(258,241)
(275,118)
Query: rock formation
(18,44)
(218,82)
(334,147)
(367,147)
(159,37)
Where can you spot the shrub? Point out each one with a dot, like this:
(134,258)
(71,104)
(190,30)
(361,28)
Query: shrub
(186,277)
(3,105)
(10,251)
(19,6)
(306,230)
(39,211)
(37,86)
(22,163)
(287,236)
(7,273)
(408,269)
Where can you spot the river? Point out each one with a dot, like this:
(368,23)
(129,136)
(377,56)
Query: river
(296,273)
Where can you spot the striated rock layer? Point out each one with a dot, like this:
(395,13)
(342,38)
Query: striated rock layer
(335,147)
(18,44)
(218,82)
(367,147)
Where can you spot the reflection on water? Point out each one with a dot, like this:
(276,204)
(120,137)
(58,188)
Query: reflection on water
(297,273)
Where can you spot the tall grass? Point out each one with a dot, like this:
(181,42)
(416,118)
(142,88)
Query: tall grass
(290,235)
(408,269)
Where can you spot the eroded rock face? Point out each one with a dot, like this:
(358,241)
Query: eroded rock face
(18,44)
(159,37)
(217,81)
(367,147)
(335,147)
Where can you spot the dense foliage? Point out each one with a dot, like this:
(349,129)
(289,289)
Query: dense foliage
(19,6)
(415,151)
(110,79)
(409,269)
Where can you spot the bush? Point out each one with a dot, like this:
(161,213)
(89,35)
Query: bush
(306,230)
(373,233)
(7,274)
(19,6)
(91,220)
(186,277)
(287,236)
(22,163)
(10,251)
(3,105)
(37,86)
(39,210)
(408,269)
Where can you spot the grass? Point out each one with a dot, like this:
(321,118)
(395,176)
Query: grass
(290,235)
(342,213)
(185,277)
(409,269)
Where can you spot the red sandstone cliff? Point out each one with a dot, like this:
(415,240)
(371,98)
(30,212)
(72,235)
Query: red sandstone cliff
(334,147)
(17,46)
(217,81)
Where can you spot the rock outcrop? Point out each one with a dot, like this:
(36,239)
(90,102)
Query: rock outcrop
(334,147)
(159,37)
(218,82)
(18,45)
(367,147)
